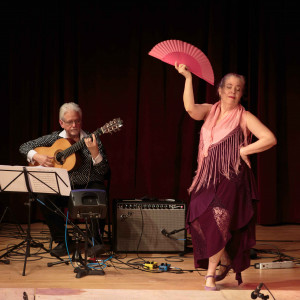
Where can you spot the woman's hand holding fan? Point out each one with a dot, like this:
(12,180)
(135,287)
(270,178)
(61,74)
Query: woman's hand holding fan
(183,70)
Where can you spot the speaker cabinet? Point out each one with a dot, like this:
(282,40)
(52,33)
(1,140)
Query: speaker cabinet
(149,226)
(88,203)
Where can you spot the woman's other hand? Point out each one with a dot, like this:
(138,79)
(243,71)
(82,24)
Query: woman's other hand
(245,158)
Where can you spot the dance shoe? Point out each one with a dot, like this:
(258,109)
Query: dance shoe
(222,275)
(210,288)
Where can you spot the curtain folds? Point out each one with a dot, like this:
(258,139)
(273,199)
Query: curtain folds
(98,57)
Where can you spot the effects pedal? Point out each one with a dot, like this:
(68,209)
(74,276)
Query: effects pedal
(150,265)
(164,267)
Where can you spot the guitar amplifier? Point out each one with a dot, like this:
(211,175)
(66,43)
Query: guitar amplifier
(149,226)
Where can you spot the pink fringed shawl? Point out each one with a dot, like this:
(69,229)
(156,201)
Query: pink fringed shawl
(219,145)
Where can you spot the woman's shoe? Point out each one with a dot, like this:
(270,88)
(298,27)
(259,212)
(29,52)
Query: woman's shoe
(210,288)
(222,276)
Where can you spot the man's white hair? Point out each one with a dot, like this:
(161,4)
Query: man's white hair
(70,106)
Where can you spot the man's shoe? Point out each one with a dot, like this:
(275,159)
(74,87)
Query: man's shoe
(61,249)
(95,251)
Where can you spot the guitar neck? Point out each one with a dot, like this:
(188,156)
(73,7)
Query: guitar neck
(110,127)
(76,146)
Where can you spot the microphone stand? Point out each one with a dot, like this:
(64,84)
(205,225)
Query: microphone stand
(256,293)
(85,269)
(168,234)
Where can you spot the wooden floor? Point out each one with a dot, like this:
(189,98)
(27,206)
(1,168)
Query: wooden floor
(124,279)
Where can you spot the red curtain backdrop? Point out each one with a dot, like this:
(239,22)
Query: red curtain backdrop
(96,54)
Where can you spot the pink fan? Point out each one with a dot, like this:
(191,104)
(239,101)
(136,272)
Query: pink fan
(174,50)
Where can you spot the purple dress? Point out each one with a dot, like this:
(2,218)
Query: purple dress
(222,215)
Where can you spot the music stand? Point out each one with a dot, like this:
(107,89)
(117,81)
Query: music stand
(33,180)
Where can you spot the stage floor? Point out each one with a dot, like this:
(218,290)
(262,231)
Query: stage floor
(124,278)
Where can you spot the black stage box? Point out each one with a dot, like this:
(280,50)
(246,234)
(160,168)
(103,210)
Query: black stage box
(149,226)
(88,203)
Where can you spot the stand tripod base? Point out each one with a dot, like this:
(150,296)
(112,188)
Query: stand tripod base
(76,257)
(5,261)
(86,271)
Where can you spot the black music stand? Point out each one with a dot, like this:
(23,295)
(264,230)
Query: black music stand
(33,180)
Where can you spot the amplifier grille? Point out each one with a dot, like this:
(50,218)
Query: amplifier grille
(139,226)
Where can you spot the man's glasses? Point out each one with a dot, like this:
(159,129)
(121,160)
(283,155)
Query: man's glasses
(77,122)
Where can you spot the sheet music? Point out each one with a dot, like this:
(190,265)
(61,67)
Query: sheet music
(6,177)
(41,180)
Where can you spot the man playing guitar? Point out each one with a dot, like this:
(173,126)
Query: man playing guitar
(87,168)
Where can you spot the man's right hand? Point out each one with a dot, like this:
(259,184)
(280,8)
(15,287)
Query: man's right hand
(43,160)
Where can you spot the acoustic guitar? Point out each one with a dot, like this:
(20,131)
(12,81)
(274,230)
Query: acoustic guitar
(64,150)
